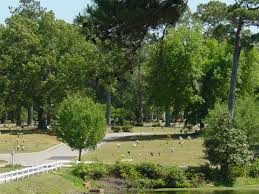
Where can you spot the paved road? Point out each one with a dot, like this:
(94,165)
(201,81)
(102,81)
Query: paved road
(58,152)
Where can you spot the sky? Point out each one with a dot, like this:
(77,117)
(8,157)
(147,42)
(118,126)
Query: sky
(69,9)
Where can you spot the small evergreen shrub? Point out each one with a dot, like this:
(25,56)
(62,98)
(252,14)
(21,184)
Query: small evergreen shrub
(116,128)
(127,128)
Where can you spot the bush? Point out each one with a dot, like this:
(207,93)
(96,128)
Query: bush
(211,174)
(116,128)
(124,171)
(149,170)
(94,171)
(127,128)
(246,118)
(195,177)
(156,124)
(225,146)
(254,169)
(144,183)
(79,171)
(175,178)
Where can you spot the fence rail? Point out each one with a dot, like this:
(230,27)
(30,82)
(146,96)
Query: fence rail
(30,171)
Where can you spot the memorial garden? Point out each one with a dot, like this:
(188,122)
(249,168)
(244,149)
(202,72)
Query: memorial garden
(131,97)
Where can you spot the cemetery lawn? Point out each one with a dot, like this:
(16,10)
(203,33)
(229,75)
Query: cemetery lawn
(158,130)
(33,142)
(56,182)
(190,154)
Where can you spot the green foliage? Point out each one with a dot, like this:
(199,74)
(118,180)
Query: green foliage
(80,122)
(224,145)
(149,170)
(79,171)
(124,171)
(93,171)
(116,128)
(127,128)
(254,169)
(123,24)
(175,178)
(144,183)
(175,75)
(196,178)
(246,118)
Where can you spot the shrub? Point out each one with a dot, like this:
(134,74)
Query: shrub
(149,170)
(116,128)
(94,171)
(246,118)
(124,170)
(254,169)
(195,177)
(144,183)
(211,174)
(127,128)
(175,178)
(224,145)
(79,171)
(156,124)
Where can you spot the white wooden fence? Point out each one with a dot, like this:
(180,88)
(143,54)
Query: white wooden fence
(30,171)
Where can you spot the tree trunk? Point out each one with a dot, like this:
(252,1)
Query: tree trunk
(139,115)
(18,114)
(42,124)
(168,117)
(30,116)
(236,56)
(3,118)
(108,108)
(11,116)
(49,118)
(80,154)
(157,115)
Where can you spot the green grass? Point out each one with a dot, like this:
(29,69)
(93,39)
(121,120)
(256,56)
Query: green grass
(54,183)
(8,169)
(190,154)
(32,142)
(3,161)
(158,130)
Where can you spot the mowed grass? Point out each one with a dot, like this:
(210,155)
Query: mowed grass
(158,130)
(8,169)
(151,148)
(54,183)
(32,142)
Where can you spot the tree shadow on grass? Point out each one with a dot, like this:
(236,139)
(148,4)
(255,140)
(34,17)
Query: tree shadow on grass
(149,137)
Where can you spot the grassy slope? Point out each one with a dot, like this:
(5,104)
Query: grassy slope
(190,154)
(54,183)
(32,142)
